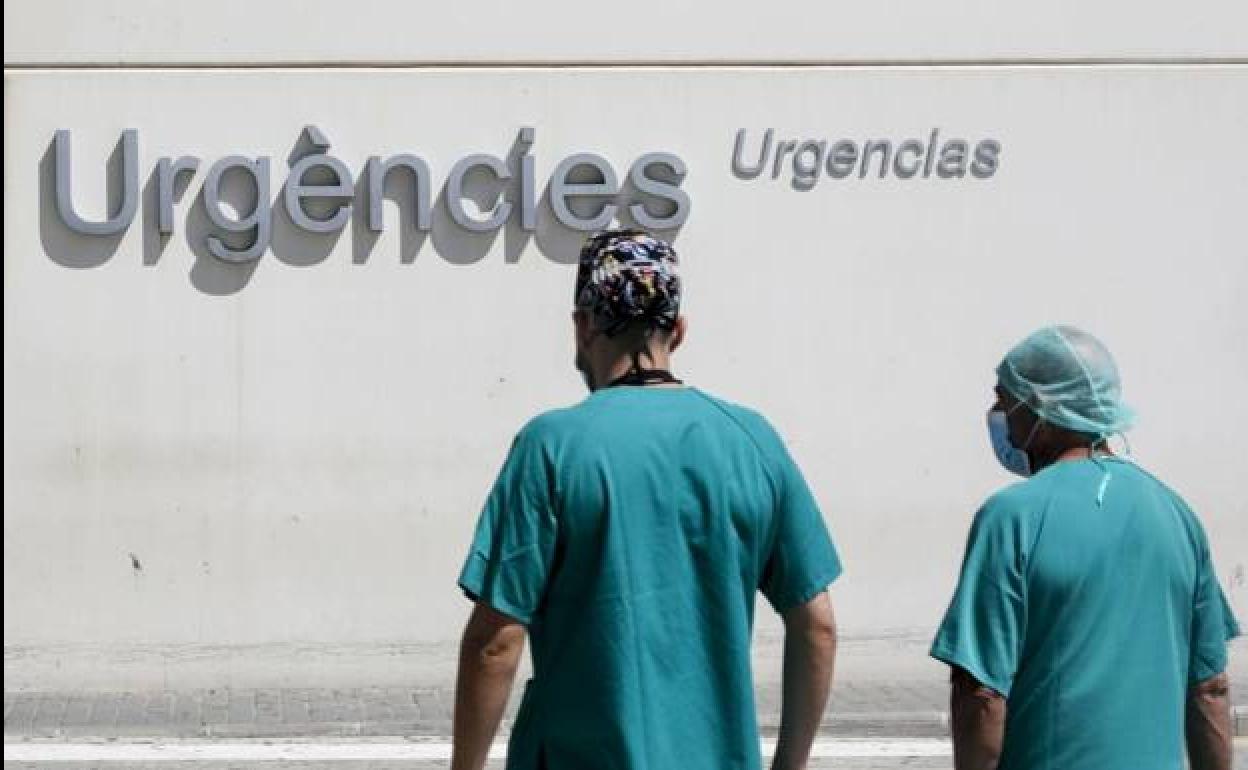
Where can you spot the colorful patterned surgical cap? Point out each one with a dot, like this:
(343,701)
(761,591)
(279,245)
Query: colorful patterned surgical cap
(626,277)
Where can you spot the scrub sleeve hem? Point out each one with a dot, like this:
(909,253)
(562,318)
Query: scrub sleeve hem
(810,591)
(952,658)
(1208,667)
(473,591)
(1205,672)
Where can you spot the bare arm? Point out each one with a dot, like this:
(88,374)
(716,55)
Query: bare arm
(488,657)
(1209,733)
(809,657)
(978,715)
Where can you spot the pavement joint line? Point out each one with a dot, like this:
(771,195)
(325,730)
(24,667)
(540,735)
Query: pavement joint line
(873,710)
(428,750)
(838,726)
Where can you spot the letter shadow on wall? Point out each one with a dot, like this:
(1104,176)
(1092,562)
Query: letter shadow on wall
(464,247)
(562,244)
(154,241)
(295,246)
(398,187)
(654,206)
(290,243)
(62,245)
(515,237)
(453,243)
(208,273)
(460,246)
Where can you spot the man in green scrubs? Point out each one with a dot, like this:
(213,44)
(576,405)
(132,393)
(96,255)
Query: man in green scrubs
(1088,629)
(627,537)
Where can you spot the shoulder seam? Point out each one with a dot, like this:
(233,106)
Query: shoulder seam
(762,453)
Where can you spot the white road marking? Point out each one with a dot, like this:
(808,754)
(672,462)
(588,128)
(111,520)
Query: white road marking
(345,752)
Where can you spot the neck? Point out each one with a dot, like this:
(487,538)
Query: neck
(1073,453)
(618,366)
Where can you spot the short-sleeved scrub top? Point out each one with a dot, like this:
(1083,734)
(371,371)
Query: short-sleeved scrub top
(1088,598)
(630,534)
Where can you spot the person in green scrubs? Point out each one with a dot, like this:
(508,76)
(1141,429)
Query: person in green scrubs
(1088,629)
(627,536)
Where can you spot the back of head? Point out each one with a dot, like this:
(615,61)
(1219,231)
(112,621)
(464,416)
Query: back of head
(1067,377)
(627,280)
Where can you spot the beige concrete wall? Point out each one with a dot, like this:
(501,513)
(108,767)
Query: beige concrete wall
(293,452)
(316,32)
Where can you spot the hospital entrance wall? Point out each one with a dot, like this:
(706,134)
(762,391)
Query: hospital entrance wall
(266,471)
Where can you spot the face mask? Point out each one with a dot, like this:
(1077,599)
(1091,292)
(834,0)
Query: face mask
(1012,458)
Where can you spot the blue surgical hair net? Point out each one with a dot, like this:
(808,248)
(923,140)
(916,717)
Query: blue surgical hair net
(1067,377)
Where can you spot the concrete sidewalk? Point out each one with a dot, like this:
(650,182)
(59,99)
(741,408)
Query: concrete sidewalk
(877,708)
(884,687)
(856,709)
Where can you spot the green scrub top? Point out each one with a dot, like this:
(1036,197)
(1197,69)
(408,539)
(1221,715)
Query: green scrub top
(1088,598)
(630,533)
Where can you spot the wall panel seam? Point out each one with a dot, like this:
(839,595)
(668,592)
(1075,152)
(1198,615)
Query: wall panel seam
(657,65)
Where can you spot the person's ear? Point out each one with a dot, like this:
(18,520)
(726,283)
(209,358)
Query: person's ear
(678,334)
(582,327)
(1022,424)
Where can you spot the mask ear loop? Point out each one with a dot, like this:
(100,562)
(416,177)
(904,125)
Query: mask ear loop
(1034,428)
(1030,435)
(1106,474)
